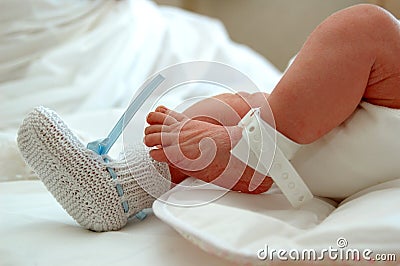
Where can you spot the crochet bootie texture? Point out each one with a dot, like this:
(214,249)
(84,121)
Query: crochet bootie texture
(78,178)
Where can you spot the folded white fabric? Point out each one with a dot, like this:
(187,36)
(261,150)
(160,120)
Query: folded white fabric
(247,228)
(361,152)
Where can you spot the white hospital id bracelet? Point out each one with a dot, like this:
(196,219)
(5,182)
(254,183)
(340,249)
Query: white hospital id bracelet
(258,149)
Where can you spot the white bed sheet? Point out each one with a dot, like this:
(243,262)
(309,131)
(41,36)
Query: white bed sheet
(94,55)
(35,230)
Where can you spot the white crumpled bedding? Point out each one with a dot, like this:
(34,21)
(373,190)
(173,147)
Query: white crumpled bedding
(87,72)
(78,57)
(237,226)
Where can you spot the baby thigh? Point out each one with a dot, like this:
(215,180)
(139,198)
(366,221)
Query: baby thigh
(384,79)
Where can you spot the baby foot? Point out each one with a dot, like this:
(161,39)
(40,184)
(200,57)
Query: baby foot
(200,149)
(79,178)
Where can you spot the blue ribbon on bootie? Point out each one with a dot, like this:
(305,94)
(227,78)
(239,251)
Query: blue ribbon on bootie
(103,146)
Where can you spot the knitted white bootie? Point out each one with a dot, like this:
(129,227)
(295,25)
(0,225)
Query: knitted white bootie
(78,178)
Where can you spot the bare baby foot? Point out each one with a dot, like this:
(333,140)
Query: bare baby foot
(201,150)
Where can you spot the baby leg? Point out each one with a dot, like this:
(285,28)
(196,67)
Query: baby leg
(322,88)
(202,150)
(225,109)
(352,55)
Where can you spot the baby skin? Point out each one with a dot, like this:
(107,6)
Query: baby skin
(351,57)
(193,147)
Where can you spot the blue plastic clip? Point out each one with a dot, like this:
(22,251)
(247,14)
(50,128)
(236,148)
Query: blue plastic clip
(103,146)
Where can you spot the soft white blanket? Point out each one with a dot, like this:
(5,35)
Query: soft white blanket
(79,57)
